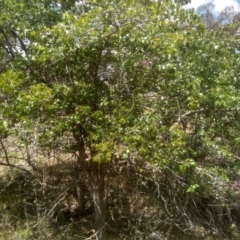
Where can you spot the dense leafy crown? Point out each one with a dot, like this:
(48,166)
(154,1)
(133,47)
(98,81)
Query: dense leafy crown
(132,79)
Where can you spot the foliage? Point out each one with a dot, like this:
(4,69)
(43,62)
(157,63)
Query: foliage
(135,80)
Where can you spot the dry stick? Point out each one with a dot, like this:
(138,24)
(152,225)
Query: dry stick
(95,234)
(15,166)
(5,151)
(28,160)
(55,205)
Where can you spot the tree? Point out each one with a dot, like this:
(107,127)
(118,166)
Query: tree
(128,81)
(227,19)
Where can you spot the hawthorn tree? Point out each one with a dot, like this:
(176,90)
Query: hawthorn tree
(128,80)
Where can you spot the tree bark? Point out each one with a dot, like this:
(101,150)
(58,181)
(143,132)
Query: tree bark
(99,202)
(96,175)
(100,213)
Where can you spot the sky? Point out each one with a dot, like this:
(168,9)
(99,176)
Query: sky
(219,4)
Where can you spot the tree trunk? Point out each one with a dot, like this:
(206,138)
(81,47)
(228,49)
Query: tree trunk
(96,176)
(99,209)
(97,183)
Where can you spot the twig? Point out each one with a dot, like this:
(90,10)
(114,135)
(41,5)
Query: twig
(51,210)
(5,151)
(15,166)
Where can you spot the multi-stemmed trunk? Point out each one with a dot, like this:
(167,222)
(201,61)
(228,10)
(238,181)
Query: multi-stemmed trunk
(95,175)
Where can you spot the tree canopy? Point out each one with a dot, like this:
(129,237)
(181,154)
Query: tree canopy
(135,80)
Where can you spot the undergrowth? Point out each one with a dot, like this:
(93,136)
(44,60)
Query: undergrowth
(147,204)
